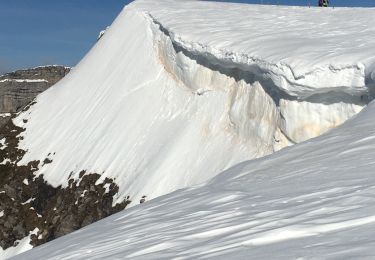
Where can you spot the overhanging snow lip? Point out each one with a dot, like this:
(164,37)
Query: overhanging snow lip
(280,77)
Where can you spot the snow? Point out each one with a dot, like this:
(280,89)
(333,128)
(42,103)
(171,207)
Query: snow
(28,201)
(2,144)
(305,50)
(314,200)
(83,193)
(106,187)
(1,213)
(5,161)
(22,246)
(101,33)
(25,181)
(159,106)
(179,91)
(23,80)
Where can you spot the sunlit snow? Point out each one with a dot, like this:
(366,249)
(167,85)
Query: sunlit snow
(313,200)
(176,92)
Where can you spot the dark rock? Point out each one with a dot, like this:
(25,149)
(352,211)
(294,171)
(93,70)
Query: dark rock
(55,211)
(47,161)
(143,199)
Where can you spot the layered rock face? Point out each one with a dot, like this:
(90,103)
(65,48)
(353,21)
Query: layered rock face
(19,88)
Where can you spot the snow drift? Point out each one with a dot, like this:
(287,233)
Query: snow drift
(177,91)
(314,200)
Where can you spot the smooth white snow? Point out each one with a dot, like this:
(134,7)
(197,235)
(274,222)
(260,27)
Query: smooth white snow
(314,200)
(156,118)
(303,50)
(177,91)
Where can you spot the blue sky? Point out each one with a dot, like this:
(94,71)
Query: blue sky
(41,32)
(347,3)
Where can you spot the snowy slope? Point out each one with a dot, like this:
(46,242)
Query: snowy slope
(177,91)
(22,246)
(315,200)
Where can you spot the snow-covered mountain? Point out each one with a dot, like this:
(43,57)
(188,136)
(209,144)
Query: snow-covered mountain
(176,92)
(315,200)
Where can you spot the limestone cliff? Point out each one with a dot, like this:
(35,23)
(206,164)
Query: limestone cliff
(20,87)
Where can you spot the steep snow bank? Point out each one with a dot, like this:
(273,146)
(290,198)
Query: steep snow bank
(311,201)
(20,246)
(303,50)
(167,99)
(298,120)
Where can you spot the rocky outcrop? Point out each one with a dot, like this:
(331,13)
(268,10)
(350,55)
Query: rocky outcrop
(28,202)
(101,33)
(19,88)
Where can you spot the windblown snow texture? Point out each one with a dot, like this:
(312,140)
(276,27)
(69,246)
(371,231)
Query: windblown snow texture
(314,200)
(175,92)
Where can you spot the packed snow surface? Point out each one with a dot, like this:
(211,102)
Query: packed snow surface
(177,91)
(308,50)
(314,200)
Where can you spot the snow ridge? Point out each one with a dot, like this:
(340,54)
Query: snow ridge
(203,100)
(348,78)
(158,106)
(202,72)
(298,203)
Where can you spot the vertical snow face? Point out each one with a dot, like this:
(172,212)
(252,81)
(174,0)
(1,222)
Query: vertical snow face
(123,114)
(303,50)
(250,113)
(154,116)
(270,123)
(314,199)
(303,120)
